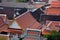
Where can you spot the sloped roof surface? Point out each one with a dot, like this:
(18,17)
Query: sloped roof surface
(26,20)
(55,4)
(53,11)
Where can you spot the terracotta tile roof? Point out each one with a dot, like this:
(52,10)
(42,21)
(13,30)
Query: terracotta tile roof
(36,25)
(53,26)
(55,4)
(3,25)
(46,32)
(26,20)
(12,30)
(53,11)
(1,22)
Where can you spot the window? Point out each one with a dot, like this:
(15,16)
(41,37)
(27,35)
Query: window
(4,33)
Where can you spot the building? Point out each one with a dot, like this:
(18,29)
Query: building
(24,23)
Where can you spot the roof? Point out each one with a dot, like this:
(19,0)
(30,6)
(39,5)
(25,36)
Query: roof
(53,11)
(26,20)
(4,23)
(55,4)
(14,30)
(46,32)
(15,25)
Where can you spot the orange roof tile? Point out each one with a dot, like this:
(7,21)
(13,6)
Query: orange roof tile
(36,25)
(46,32)
(26,20)
(55,4)
(4,27)
(18,31)
(53,11)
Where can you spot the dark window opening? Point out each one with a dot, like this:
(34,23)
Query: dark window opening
(4,33)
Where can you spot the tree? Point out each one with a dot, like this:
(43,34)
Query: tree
(53,36)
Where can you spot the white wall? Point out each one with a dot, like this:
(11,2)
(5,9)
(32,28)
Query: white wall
(15,25)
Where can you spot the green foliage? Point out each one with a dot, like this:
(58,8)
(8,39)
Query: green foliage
(53,36)
(21,1)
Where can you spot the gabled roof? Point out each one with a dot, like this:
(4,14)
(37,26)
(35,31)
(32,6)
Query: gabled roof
(15,25)
(25,20)
(54,9)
